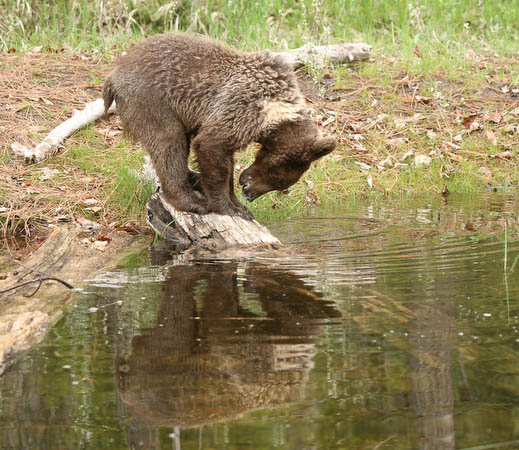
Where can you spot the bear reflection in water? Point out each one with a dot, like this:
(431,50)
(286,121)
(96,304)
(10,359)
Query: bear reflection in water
(209,358)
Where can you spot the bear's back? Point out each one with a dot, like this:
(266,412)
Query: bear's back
(206,82)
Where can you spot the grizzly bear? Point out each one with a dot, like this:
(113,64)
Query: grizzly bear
(175,91)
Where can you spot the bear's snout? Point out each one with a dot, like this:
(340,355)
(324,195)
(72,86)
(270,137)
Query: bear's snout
(245,180)
(247,190)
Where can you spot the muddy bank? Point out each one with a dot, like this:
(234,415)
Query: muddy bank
(26,318)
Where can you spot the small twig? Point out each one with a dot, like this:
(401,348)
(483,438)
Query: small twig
(380,444)
(38,280)
(47,276)
(32,269)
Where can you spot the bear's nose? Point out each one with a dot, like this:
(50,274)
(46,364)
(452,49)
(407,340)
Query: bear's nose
(245,181)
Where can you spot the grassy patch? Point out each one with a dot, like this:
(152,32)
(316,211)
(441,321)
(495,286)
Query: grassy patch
(123,189)
(440,30)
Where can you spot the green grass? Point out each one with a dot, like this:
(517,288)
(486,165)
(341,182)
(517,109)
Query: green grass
(124,190)
(441,29)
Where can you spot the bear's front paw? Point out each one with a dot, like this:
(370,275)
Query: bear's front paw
(244,213)
(230,209)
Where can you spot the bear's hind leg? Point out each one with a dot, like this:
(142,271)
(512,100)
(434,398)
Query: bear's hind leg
(169,153)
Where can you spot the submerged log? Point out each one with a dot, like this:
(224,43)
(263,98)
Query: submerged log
(210,231)
(26,315)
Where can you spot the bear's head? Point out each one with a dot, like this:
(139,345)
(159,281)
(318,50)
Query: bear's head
(286,153)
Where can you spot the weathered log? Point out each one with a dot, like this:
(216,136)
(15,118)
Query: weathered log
(210,231)
(338,53)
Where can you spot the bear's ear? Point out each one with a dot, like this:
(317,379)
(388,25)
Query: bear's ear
(323,146)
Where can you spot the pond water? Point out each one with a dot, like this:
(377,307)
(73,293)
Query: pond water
(380,326)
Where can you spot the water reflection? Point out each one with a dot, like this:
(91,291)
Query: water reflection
(431,341)
(209,358)
(397,329)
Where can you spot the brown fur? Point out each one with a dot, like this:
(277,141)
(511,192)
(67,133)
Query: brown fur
(176,91)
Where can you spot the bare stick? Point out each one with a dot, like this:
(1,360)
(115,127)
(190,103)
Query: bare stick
(37,280)
(55,138)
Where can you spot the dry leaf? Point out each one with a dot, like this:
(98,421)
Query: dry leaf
(505,155)
(467,121)
(406,155)
(48,173)
(469,226)
(431,134)
(90,201)
(485,171)
(401,122)
(100,245)
(395,141)
(491,136)
(388,162)
(422,99)
(511,128)
(493,117)
(363,165)
(312,198)
(88,225)
(474,126)
(452,145)
(422,161)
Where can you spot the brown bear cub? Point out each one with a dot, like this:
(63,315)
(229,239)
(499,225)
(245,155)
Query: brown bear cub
(176,91)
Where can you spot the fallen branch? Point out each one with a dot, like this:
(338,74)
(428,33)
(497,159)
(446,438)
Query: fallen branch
(37,280)
(338,53)
(49,146)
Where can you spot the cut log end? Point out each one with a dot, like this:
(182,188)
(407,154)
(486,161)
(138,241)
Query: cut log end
(209,231)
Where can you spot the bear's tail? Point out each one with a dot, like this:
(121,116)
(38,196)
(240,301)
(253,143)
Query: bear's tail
(108,94)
